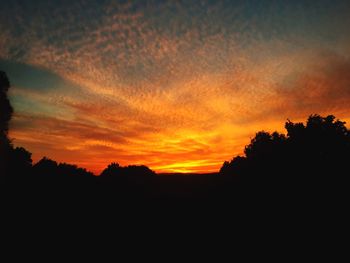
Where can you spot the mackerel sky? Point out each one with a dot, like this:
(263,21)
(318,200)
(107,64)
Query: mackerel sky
(176,85)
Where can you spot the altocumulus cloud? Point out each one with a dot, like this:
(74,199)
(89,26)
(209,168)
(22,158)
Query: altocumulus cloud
(190,80)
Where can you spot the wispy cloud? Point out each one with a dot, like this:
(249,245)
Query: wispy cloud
(169,84)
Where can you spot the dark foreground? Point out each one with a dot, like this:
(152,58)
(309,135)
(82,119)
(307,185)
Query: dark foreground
(209,189)
(207,208)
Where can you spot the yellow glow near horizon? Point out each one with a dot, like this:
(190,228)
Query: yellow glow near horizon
(179,86)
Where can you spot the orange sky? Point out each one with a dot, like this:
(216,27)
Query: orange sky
(178,91)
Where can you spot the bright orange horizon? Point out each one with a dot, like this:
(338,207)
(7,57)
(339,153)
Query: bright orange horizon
(177,86)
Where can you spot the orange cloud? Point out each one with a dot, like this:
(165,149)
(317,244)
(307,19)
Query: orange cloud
(192,127)
(182,97)
(324,87)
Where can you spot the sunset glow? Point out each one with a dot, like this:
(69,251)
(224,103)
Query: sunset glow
(179,86)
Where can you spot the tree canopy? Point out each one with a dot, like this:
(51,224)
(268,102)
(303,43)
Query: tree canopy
(317,150)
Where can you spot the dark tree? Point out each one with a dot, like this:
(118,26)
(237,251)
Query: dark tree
(137,170)
(114,169)
(46,167)
(5,107)
(313,153)
(264,145)
(14,161)
(5,116)
(20,161)
(72,170)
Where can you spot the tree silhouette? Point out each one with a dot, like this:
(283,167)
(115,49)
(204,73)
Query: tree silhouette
(114,169)
(6,109)
(318,151)
(14,161)
(20,162)
(47,167)
(73,170)
(264,145)
(5,116)
(17,161)
(314,154)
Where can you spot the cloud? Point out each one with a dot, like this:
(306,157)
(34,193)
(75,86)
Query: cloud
(324,87)
(167,83)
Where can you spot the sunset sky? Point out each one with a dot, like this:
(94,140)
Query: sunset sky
(180,86)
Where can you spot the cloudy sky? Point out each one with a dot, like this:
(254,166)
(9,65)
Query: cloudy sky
(176,85)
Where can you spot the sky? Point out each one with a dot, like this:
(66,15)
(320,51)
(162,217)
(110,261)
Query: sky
(179,86)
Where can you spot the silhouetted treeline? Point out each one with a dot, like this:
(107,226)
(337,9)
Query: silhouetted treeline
(114,169)
(315,153)
(311,156)
(47,167)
